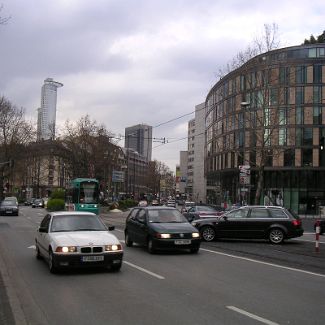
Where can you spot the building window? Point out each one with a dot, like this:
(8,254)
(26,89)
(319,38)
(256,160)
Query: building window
(267,137)
(283,116)
(317,73)
(299,115)
(269,158)
(317,115)
(282,136)
(289,157)
(300,98)
(242,83)
(298,136)
(241,139)
(307,157)
(284,75)
(307,137)
(273,96)
(317,94)
(286,95)
(301,75)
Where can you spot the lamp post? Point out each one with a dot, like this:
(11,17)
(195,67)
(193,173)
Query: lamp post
(245,106)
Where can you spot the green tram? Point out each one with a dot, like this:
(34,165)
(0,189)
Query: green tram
(82,195)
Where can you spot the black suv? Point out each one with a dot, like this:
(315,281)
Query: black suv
(252,222)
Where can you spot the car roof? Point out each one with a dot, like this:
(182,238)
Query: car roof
(261,206)
(70,213)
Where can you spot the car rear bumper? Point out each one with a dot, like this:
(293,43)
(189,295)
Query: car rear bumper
(77,260)
(296,233)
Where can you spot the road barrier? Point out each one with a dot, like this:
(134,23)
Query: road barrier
(317,231)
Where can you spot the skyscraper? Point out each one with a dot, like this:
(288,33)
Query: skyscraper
(139,138)
(47,112)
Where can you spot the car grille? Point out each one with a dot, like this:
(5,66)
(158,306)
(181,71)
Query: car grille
(182,236)
(90,249)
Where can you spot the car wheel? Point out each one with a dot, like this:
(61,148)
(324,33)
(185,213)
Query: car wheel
(38,254)
(208,233)
(150,246)
(195,250)
(52,267)
(128,242)
(276,236)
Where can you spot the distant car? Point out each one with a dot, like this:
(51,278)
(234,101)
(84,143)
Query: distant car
(28,202)
(142,203)
(171,203)
(38,203)
(155,202)
(73,239)
(187,205)
(252,222)
(202,211)
(322,226)
(9,207)
(11,198)
(160,228)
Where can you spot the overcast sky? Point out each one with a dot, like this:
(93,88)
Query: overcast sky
(135,61)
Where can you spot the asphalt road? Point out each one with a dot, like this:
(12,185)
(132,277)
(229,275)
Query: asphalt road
(228,282)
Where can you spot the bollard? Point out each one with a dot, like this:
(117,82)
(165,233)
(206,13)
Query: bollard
(317,231)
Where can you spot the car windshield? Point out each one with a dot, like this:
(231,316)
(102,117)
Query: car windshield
(166,216)
(77,223)
(8,202)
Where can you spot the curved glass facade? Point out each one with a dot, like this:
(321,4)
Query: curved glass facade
(269,116)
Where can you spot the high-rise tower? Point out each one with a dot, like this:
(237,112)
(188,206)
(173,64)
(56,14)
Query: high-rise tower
(47,112)
(139,138)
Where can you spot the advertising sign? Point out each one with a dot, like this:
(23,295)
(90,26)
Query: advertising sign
(244,174)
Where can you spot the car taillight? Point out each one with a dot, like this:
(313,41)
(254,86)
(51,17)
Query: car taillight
(296,222)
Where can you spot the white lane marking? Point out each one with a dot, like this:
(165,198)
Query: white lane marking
(145,270)
(33,246)
(308,241)
(264,263)
(119,230)
(258,318)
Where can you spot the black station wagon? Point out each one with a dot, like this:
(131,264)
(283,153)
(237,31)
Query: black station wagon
(252,222)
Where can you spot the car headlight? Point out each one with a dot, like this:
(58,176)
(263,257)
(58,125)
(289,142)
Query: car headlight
(194,223)
(195,235)
(164,236)
(66,249)
(113,248)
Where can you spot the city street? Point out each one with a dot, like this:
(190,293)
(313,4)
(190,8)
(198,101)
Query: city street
(227,282)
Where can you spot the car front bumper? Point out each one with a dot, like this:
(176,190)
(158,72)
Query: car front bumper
(169,244)
(77,260)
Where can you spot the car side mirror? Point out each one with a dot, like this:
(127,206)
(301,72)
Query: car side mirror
(111,228)
(42,229)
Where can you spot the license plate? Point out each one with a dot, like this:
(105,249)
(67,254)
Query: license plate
(92,258)
(8,211)
(183,242)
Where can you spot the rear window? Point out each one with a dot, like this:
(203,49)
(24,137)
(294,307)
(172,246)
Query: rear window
(278,213)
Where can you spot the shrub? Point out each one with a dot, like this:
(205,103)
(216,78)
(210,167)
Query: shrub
(58,194)
(128,203)
(55,205)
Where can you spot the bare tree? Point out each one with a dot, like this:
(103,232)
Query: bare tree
(15,133)
(267,41)
(3,20)
(93,154)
